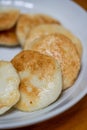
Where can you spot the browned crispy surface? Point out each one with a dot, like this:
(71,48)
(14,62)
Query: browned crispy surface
(8,19)
(36,72)
(8,37)
(62,49)
(35,62)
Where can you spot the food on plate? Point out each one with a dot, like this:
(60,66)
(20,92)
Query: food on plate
(26,22)
(9,86)
(64,51)
(8,18)
(48,64)
(72,37)
(41,80)
(46,29)
(8,37)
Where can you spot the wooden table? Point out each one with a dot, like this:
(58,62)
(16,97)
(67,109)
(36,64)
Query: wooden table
(73,119)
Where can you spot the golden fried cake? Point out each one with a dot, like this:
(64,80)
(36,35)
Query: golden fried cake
(62,49)
(9,86)
(26,22)
(8,37)
(41,80)
(46,29)
(72,37)
(8,18)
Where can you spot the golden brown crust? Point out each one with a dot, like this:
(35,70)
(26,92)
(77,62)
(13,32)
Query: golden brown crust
(8,19)
(37,73)
(34,61)
(62,49)
(8,37)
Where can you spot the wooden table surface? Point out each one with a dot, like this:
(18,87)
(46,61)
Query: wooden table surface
(73,119)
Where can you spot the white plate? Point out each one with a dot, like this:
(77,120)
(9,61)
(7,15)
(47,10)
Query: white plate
(74,18)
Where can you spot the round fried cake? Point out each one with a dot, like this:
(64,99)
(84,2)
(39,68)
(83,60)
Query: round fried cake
(9,86)
(41,80)
(26,22)
(46,29)
(8,18)
(62,49)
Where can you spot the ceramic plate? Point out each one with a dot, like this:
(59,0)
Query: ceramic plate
(74,18)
